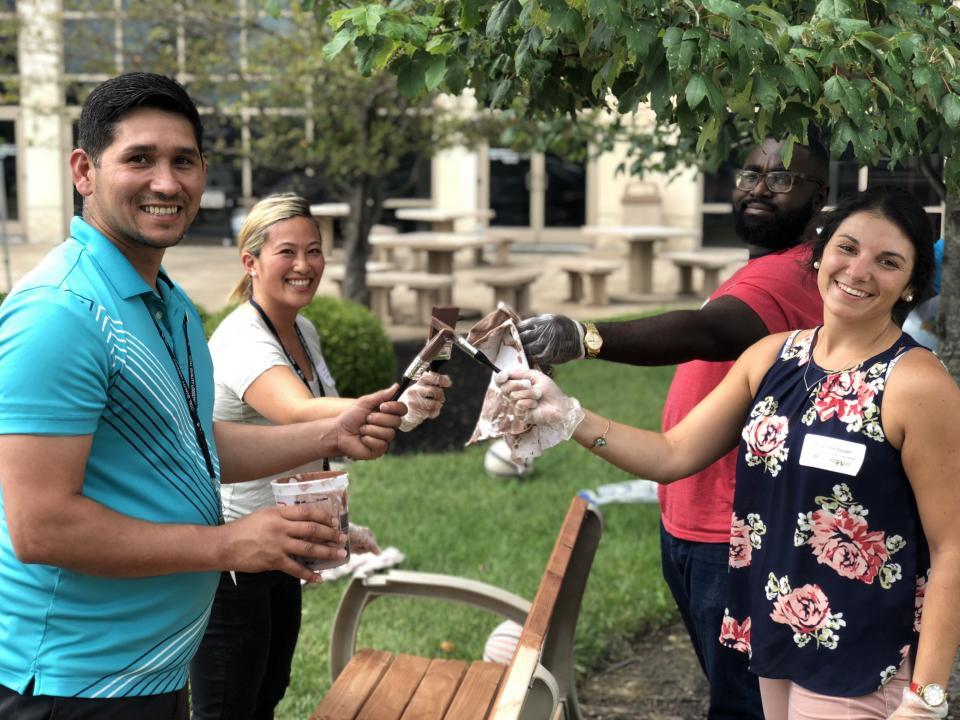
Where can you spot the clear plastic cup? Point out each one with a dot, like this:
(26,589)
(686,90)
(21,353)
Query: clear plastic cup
(325,486)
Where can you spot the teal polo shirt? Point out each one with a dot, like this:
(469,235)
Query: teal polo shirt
(81,354)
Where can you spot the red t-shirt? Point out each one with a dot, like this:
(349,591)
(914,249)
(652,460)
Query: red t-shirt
(782,291)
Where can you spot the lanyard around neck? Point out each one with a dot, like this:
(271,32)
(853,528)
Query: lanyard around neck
(189,390)
(290,359)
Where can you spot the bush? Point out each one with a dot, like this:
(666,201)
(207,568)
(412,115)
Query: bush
(212,320)
(3,296)
(358,352)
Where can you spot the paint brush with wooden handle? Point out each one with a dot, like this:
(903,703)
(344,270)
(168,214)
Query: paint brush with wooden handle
(423,359)
(465,346)
(448,315)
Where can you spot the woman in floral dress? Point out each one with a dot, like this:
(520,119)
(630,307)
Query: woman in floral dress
(845,528)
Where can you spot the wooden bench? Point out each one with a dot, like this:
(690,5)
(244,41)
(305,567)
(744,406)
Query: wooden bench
(711,264)
(512,287)
(538,682)
(596,270)
(427,286)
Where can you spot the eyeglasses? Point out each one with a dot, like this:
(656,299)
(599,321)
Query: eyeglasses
(777,181)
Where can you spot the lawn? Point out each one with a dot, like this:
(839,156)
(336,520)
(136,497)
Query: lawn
(448,516)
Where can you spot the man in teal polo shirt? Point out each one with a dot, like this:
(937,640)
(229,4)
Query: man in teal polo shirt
(111,539)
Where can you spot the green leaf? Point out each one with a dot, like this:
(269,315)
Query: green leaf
(372,17)
(339,42)
(835,9)
(469,14)
(766,93)
(502,17)
(844,94)
(725,8)
(410,73)
(435,71)
(950,105)
(696,90)
(273,8)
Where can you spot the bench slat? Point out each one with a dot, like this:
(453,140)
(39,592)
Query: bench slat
(436,690)
(476,692)
(353,687)
(396,687)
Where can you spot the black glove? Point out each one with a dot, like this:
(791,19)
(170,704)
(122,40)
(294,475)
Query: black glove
(551,339)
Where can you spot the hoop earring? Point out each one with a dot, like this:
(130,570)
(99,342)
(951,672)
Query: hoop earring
(816,264)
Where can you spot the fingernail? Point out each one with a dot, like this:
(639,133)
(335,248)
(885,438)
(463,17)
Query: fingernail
(341,553)
(524,382)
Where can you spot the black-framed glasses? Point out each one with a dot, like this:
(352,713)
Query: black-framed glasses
(777,181)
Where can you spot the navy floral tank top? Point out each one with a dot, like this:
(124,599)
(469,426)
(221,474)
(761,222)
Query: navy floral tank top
(828,560)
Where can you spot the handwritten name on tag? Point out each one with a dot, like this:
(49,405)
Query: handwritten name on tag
(827,453)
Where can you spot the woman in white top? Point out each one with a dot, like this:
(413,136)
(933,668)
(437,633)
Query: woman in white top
(269,368)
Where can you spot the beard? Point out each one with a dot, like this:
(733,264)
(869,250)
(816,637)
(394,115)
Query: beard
(784,229)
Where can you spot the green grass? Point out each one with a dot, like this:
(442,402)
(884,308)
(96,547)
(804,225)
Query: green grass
(448,516)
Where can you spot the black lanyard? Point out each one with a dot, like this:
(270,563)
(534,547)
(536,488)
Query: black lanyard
(189,391)
(290,359)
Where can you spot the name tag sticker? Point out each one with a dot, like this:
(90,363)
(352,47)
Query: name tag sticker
(827,453)
(325,377)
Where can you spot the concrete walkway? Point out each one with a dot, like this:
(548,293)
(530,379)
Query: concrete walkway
(208,273)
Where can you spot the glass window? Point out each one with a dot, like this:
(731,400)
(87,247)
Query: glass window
(843,179)
(88,46)
(909,177)
(565,201)
(718,186)
(509,188)
(88,5)
(274,143)
(213,39)
(150,44)
(224,192)
(8,46)
(8,5)
(9,161)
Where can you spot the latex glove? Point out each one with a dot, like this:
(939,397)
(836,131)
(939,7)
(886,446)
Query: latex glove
(362,540)
(912,707)
(537,399)
(424,399)
(551,339)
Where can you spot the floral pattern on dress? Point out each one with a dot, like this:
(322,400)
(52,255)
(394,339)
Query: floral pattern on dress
(799,350)
(919,597)
(890,671)
(745,538)
(806,611)
(735,635)
(849,396)
(840,538)
(766,437)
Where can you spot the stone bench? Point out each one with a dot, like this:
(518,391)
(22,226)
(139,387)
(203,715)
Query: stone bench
(427,286)
(512,287)
(709,263)
(501,255)
(596,270)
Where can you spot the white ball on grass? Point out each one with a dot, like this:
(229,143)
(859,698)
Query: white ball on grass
(497,461)
(502,642)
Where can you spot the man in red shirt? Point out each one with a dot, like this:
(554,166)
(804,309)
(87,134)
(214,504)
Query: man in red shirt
(774,292)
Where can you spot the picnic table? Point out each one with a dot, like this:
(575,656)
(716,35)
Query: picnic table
(641,239)
(439,248)
(325,213)
(439,219)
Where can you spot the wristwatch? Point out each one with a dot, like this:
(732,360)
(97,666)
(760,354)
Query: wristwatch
(933,695)
(592,340)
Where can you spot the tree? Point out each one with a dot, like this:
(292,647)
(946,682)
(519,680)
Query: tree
(882,78)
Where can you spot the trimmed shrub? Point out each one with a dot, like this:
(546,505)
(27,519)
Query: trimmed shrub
(3,296)
(358,352)
(211,321)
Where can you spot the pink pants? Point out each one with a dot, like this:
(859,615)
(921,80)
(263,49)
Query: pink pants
(785,700)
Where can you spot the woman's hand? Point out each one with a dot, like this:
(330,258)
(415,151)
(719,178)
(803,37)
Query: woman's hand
(424,399)
(912,707)
(362,540)
(537,399)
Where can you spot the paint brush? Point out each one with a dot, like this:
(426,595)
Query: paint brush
(465,346)
(448,315)
(423,359)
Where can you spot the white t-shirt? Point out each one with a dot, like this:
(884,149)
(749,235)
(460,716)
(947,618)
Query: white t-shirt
(243,348)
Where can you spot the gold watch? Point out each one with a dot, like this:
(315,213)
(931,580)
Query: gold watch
(592,340)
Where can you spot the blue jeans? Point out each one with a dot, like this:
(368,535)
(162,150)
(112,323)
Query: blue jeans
(699,579)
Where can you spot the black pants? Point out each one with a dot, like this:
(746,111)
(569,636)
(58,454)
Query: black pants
(169,706)
(242,668)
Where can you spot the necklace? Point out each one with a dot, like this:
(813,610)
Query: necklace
(815,384)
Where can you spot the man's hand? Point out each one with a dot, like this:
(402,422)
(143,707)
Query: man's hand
(424,399)
(364,430)
(266,539)
(551,339)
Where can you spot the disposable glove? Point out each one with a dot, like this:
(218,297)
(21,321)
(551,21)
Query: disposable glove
(912,707)
(362,540)
(538,400)
(551,339)
(424,399)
